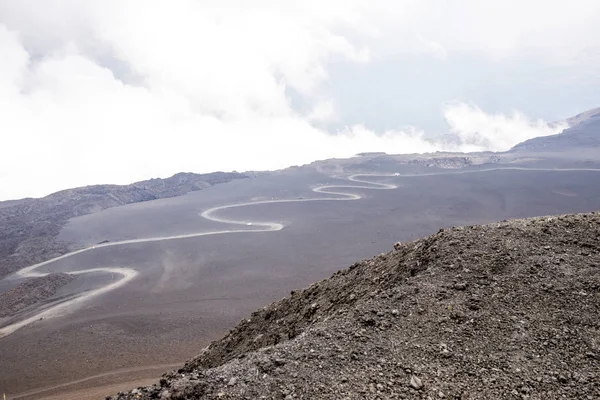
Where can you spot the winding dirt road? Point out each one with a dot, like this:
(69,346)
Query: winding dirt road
(128,274)
(334,192)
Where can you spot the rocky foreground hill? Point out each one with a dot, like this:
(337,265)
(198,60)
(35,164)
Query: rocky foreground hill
(502,311)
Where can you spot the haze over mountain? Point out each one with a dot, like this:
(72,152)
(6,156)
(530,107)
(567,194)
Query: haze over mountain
(583,134)
(203,86)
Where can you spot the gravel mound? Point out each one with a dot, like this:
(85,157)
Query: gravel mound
(502,311)
(30,292)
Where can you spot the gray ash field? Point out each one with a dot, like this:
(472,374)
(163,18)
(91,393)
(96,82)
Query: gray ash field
(190,291)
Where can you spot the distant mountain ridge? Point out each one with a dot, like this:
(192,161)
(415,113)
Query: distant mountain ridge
(28,227)
(87,199)
(583,133)
(583,117)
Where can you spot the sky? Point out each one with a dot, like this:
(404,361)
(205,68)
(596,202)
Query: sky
(116,91)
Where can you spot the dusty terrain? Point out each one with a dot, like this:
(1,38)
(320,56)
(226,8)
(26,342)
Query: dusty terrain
(501,311)
(190,291)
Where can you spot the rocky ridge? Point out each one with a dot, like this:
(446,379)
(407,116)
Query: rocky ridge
(500,311)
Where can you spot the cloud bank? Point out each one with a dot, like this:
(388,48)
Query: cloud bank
(116,91)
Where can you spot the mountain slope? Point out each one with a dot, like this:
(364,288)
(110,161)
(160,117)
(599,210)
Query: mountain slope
(583,133)
(28,227)
(501,311)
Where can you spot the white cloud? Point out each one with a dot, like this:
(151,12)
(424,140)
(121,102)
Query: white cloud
(14,62)
(478,130)
(114,91)
(498,28)
(323,111)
